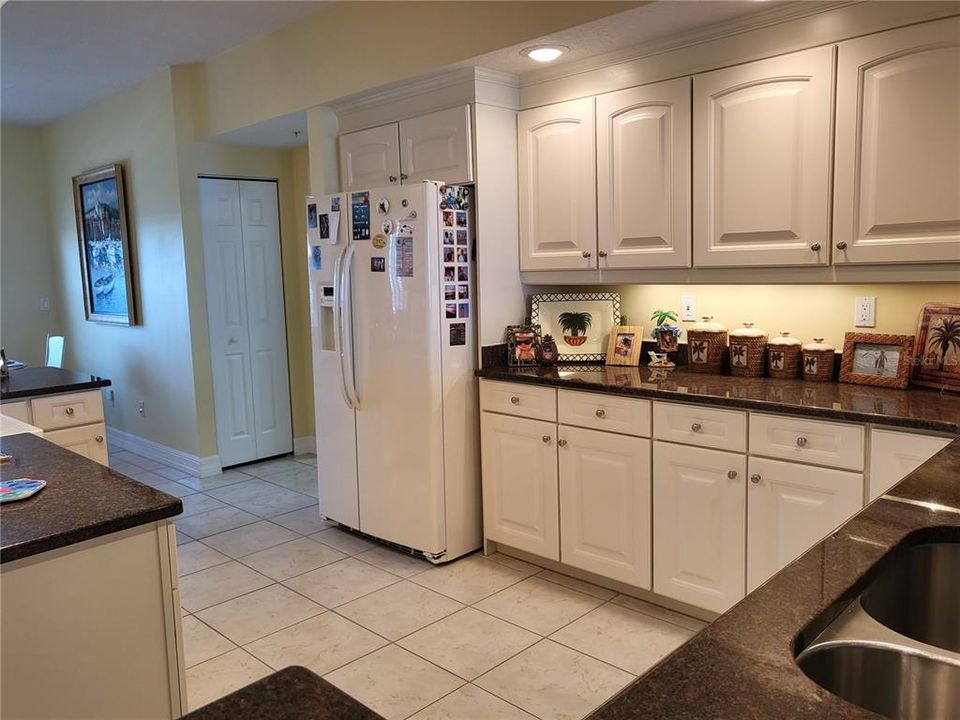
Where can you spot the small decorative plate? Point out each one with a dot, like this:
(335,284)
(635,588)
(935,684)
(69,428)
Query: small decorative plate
(11,490)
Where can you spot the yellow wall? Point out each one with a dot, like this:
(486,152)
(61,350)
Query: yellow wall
(26,253)
(805,310)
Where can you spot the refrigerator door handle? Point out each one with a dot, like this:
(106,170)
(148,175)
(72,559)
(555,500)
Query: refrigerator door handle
(346,358)
(338,294)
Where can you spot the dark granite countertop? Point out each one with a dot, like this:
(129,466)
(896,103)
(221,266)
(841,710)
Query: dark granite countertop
(293,693)
(27,382)
(82,499)
(742,665)
(917,408)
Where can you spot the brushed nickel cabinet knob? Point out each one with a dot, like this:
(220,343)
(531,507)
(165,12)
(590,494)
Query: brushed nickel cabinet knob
(732,474)
(816,247)
(601,413)
(755,478)
(515,400)
(546,439)
(562,443)
(392,178)
(602,253)
(801,442)
(99,438)
(69,411)
(696,427)
(842,245)
(587,253)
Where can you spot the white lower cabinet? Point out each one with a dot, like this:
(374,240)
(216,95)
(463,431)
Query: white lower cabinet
(699,516)
(520,504)
(605,504)
(87,440)
(789,508)
(894,455)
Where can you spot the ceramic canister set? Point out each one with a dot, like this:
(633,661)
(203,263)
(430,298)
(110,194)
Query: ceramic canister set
(754,354)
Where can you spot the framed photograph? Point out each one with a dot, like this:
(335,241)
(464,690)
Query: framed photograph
(623,348)
(105,262)
(937,347)
(877,359)
(579,321)
(522,344)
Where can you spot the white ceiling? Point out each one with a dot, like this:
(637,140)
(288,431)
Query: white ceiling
(56,57)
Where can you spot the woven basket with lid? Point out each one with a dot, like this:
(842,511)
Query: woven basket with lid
(784,356)
(748,346)
(706,344)
(818,358)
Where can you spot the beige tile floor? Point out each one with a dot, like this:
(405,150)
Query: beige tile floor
(265,583)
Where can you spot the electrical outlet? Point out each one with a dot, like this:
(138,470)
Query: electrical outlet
(140,407)
(688,307)
(113,399)
(865,312)
(44,303)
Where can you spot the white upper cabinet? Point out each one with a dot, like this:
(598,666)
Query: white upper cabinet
(643,176)
(558,204)
(437,147)
(897,176)
(761,162)
(370,158)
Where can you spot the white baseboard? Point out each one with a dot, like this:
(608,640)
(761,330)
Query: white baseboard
(193,464)
(307,444)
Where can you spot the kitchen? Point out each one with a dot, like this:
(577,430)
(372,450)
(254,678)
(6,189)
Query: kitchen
(631,519)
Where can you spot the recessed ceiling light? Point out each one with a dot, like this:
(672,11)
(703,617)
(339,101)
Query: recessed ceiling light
(544,53)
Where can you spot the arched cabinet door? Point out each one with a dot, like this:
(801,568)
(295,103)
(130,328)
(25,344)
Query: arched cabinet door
(643,176)
(761,165)
(897,176)
(558,204)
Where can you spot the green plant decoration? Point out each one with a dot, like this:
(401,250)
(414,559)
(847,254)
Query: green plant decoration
(943,337)
(661,316)
(575,323)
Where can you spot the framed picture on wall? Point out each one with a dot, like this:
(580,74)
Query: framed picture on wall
(105,262)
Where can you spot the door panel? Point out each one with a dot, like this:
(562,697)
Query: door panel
(643,176)
(897,185)
(558,205)
(437,146)
(605,504)
(761,164)
(520,489)
(699,525)
(370,158)
(789,508)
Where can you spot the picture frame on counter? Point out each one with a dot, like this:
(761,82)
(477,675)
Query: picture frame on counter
(937,347)
(523,343)
(877,359)
(623,348)
(579,321)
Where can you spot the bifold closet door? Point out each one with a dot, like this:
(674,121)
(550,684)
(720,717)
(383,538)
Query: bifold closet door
(248,344)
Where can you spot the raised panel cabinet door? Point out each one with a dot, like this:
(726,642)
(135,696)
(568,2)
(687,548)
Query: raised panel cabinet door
(558,204)
(643,176)
(761,162)
(894,455)
(370,158)
(699,525)
(605,504)
(520,490)
(87,440)
(897,177)
(437,146)
(789,508)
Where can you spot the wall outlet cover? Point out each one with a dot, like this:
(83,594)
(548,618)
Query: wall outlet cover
(688,307)
(865,312)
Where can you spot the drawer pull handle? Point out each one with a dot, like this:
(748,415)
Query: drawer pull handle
(546,439)
(99,438)
(515,400)
(601,413)
(732,474)
(69,411)
(755,478)
(801,442)
(562,443)
(696,427)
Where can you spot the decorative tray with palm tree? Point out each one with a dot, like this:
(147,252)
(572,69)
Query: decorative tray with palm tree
(580,322)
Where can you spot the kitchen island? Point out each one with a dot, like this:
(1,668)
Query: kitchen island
(88,585)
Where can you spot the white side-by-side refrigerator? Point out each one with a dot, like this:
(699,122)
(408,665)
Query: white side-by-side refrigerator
(392,311)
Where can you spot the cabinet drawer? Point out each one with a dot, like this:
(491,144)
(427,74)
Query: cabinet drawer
(88,440)
(604,412)
(830,444)
(61,411)
(531,401)
(18,411)
(700,426)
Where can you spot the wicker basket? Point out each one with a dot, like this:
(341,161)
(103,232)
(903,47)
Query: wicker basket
(784,356)
(748,346)
(706,344)
(818,359)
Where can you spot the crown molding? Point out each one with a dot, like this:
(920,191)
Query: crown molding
(403,89)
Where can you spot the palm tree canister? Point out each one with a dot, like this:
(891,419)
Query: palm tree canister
(575,326)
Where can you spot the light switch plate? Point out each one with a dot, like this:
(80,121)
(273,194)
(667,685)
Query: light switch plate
(688,307)
(865,312)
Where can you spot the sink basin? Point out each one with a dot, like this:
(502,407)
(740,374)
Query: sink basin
(890,682)
(918,595)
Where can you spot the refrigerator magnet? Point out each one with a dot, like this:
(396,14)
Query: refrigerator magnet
(458,334)
(335,204)
(461,237)
(360,213)
(383,206)
(378,264)
(464,310)
(448,218)
(403,256)
(461,219)
(386,227)
(316,258)
(379,241)
(449,273)
(448,255)
(311,216)
(449,292)
(463,274)
(451,311)
(448,237)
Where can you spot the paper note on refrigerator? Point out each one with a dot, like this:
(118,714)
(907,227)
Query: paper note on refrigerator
(403,258)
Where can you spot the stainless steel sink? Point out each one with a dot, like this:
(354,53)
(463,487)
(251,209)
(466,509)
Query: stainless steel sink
(895,649)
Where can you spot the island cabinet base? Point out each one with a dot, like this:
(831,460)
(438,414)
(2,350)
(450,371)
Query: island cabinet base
(93,630)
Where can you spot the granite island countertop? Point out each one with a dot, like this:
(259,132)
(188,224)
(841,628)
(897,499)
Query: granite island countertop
(916,408)
(30,381)
(82,500)
(293,693)
(742,665)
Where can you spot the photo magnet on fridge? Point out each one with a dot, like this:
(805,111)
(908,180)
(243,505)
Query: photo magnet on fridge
(458,334)
(323,222)
(316,258)
(311,215)
(378,264)
(360,212)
